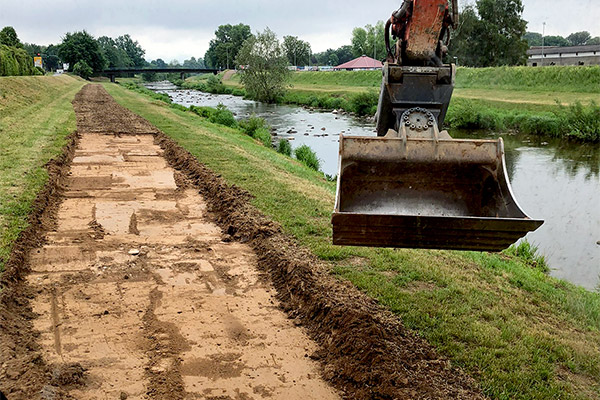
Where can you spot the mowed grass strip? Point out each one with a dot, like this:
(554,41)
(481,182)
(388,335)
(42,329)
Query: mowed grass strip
(35,117)
(520,333)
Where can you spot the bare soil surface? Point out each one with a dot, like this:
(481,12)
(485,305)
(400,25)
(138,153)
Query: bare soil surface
(131,284)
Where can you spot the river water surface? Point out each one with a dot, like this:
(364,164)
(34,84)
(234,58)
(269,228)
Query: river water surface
(552,180)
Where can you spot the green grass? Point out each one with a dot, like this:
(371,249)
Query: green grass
(35,117)
(575,121)
(519,332)
(512,86)
(584,79)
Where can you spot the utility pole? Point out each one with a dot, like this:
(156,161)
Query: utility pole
(543,36)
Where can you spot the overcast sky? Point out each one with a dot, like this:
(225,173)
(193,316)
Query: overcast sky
(182,29)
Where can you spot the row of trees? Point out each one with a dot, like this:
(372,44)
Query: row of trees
(14,60)
(81,49)
(574,39)
(224,48)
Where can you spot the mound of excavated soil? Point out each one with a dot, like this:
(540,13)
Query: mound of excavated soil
(363,350)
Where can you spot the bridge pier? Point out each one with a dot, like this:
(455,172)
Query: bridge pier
(112,78)
(182,75)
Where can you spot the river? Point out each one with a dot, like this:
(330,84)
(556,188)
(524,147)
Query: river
(552,179)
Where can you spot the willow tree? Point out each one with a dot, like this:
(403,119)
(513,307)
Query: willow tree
(264,67)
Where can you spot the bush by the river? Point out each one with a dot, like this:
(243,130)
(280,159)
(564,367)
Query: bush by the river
(257,128)
(15,61)
(576,121)
(210,84)
(363,104)
(219,115)
(284,147)
(308,157)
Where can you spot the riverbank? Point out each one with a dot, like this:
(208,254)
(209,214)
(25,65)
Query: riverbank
(36,116)
(556,102)
(520,333)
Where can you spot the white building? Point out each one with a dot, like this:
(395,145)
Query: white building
(555,55)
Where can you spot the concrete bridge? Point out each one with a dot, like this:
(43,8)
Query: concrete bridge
(112,72)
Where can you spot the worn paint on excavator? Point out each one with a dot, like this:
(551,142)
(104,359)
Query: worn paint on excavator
(422,34)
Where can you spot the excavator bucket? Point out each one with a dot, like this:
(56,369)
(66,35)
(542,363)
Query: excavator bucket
(423,193)
(415,186)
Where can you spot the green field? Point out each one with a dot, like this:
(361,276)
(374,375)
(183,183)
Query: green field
(35,117)
(503,84)
(520,333)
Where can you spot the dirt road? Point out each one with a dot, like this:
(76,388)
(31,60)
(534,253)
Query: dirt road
(136,286)
(125,287)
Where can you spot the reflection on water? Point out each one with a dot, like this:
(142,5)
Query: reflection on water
(559,182)
(552,179)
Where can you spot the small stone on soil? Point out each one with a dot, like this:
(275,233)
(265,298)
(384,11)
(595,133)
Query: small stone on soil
(134,252)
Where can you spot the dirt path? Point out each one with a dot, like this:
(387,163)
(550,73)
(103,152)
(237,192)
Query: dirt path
(129,284)
(136,286)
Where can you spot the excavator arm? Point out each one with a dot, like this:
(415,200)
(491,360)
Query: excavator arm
(413,185)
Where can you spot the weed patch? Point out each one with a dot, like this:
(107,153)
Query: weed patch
(308,157)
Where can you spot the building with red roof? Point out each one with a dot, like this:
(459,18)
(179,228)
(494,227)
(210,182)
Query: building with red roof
(360,63)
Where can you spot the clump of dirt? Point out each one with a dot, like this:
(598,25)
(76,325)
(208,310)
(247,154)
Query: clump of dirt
(68,375)
(365,350)
(23,372)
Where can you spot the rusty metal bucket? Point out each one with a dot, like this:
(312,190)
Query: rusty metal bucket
(435,192)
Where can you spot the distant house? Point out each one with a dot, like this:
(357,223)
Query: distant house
(360,64)
(571,55)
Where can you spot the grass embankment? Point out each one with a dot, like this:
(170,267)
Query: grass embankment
(541,101)
(520,333)
(36,115)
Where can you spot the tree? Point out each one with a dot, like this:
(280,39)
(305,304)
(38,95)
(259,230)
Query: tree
(133,50)
(369,41)
(81,46)
(193,63)
(8,37)
(296,50)
(115,56)
(461,46)
(359,42)
(160,63)
(533,38)
(51,59)
(224,48)
(579,38)
(33,49)
(491,35)
(264,67)
(375,43)
(344,54)
(503,30)
(82,69)
(556,41)
(594,40)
